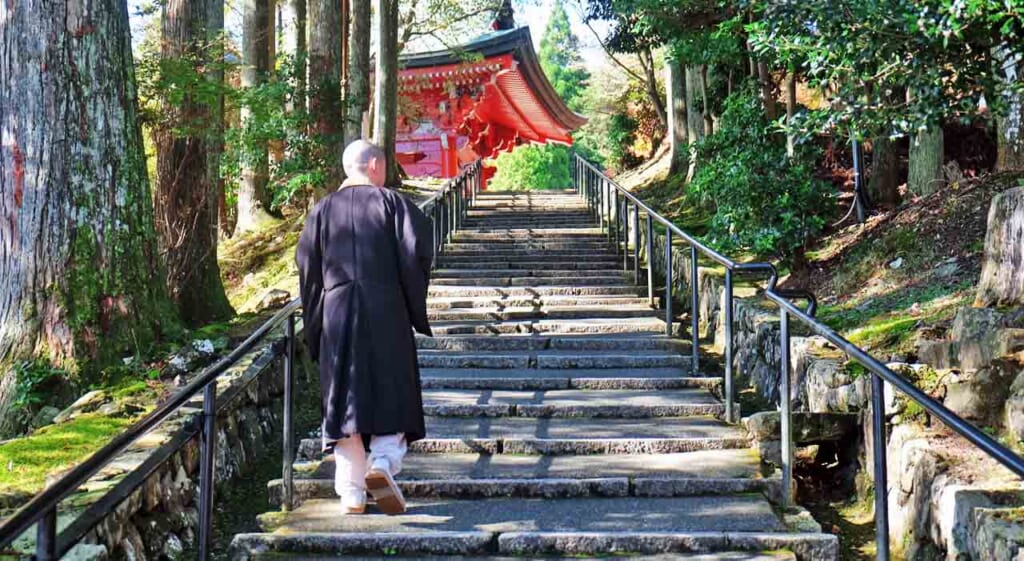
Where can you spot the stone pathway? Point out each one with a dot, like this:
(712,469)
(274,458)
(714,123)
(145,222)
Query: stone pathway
(561,421)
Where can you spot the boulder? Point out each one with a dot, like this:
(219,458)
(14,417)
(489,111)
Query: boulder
(44,417)
(1002,273)
(1000,533)
(274,299)
(981,395)
(808,428)
(86,404)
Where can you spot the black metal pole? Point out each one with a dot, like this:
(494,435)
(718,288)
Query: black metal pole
(636,245)
(668,282)
(729,417)
(624,215)
(694,312)
(650,260)
(208,443)
(288,454)
(46,536)
(881,475)
(786,414)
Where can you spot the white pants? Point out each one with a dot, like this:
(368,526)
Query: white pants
(352,464)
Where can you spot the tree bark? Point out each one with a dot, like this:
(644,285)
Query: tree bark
(675,90)
(790,113)
(1010,136)
(325,84)
(357,102)
(1002,273)
(188,157)
(301,54)
(694,116)
(386,86)
(709,119)
(257,36)
(926,158)
(883,186)
(651,86)
(764,78)
(81,284)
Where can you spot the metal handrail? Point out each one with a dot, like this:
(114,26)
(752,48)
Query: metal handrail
(602,194)
(446,209)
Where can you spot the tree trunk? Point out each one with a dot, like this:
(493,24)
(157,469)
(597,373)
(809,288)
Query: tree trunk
(651,86)
(301,54)
(709,120)
(1010,136)
(694,116)
(764,78)
(187,180)
(358,98)
(257,35)
(325,84)
(386,86)
(675,90)
(81,284)
(790,113)
(926,158)
(883,187)
(1002,274)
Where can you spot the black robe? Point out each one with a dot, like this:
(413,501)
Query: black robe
(364,263)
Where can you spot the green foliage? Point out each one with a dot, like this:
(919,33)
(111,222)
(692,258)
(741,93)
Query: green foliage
(33,387)
(560,58)
(533,167)
(764,201)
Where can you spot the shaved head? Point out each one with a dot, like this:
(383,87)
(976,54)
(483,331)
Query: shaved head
(364,161)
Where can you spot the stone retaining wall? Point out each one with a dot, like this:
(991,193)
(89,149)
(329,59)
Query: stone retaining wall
(144,503)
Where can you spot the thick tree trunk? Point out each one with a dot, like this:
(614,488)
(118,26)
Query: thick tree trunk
(709,118)
(186,198)
(675,90)
(884,185)
(790,113)
(386,86)
(300,52)
(926,158)
(357,102)
(764,78)
(694,116)
(1002,274)
(257,35)
(325,84)
(651,86)
(81,284)
(1010,126)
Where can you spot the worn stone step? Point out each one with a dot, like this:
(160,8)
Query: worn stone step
(579,379)
(535,342)
(617,289)
(462,302)
(555,359)
(525,256)
(505,273)
(513,235)
(537,264)
(530,281)
(519,247)
(506,313)
(724,556)
(592,326)
(728,464)
(572,403)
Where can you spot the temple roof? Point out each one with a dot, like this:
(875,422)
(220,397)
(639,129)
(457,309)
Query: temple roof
(525,97)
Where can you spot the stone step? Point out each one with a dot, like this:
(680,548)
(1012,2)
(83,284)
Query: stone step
(582,275)
(612,342)
(574,526)
(554,359)
(519,246)
(483,254)
(645,470)
(620,404)
(611,263)
(595,326)
(558,436)
(577,379)
(458,302)
(464,279)
(724,556)
(619,289)
(512,235)
(541,312)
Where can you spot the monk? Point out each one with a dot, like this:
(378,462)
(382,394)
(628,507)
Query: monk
(364,262)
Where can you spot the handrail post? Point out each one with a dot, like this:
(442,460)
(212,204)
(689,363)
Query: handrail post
(881,475)
(46,536)
(208,444)
(650,260)
(636,244)
(288,455)
(729,417)
(668,282)
(786,412)
(624,218)
(694,311)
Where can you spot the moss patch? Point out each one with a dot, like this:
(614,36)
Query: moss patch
(25,462)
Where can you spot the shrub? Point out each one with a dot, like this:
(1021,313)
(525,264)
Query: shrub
(533,167)
(764,201)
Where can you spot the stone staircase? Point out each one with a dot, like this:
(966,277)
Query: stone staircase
(562,422)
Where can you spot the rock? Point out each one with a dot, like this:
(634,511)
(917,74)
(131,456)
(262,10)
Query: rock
(45,416)
(1014,411)
(1000,534)
(203,346)
(896,264)
(980,396)
(1002,273)
(274,299)
(808,428)
(85,404)
(173,548)
(948,268)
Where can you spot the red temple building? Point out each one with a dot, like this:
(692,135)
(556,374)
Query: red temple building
(476,101)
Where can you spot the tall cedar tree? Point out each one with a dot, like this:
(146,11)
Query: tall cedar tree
(80,279)
(187,193)
(560,58)
(385,102)
(325,105)
(257,40)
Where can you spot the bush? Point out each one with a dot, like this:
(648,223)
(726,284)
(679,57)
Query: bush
(764,201)
(533,167)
